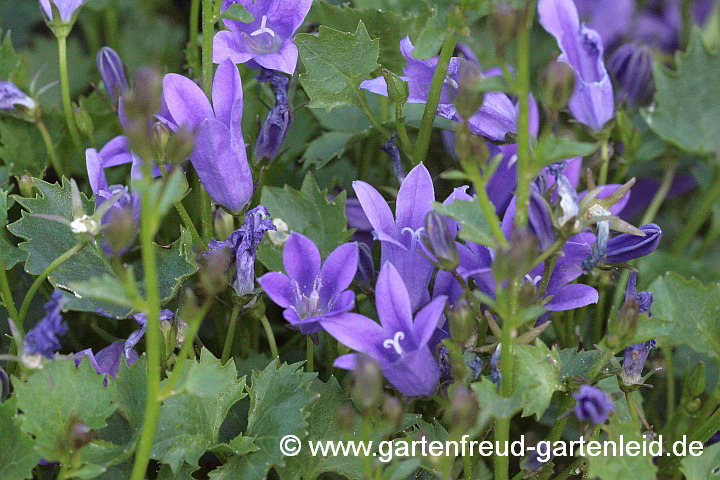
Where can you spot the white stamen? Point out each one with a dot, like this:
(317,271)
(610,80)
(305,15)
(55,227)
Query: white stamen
(263,28)
(415,236)
(395,342)
(533,280)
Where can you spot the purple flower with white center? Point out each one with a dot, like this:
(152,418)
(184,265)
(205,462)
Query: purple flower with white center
(267,40)
(142,320)
(66,8)
(493,120)
(107,361)
(400,236)
(631,67)
(11,97)
(219,155)
(311,292)
(591,102)
(243,243)
(276,126)
(625,247)
(399,344)
(592,404)
(43,338)
(112,71)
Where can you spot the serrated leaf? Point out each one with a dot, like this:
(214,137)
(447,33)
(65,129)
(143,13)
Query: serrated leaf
(17,453)
(469,214)
(685,312)
(576,363)
(46,240)
(308,212)
(21,147)
(326,147)
(550,149)
(280,398)
(536,377)
(10,61)
(57,395)
(622,465)
(704,467)
(10,254)
(189,425)
(492,403)
(687,101)
(185,473)
(336,63)
(206,378)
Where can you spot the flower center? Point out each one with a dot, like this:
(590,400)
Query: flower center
(308,306)
(263,28)
(395,342)
(414,236)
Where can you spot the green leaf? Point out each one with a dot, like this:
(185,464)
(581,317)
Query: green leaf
(308,212)
(57,395)
(685,312)
(621,465)
(492,403)
(22,147)
(166,473)
(576,363)
(10,254)
(469,215)
(536,377)
(238,13)
(336,63)
(326,147)
(550,149)
(687,101)
(189,424)
(46,240)
(704,467)
(280,400)
(10,62)
(206,378)
(17,453)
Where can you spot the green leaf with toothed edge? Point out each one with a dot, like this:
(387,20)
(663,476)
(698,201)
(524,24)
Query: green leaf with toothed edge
(17,453)
(622,465)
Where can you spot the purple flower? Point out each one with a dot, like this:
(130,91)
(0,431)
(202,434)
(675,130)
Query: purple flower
(400,236)
(107,361)
(142,320)
(267,40)
(276,126)
(243,243)
(631,67)
(310,292)
(610,19)
(398,344)
(66,8)
(592,100)
(592,404)
(642,299)
(493,120)
(11,96)
(112,72)
(43,338)
(625,247)
(219,156)
(635,357)
(714,439)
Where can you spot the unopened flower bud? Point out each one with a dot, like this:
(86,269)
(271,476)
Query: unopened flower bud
(558,83)
(695,380)
(468,96)
(112,72)
(120,230)
(393,411)
(367,390)
(517,259)
(398,89)
(144,99)
(159,137)
(631,67)
(365,275)
(26,184)
(84,121)
(79,434)
(223,223)
(439,241)
(592,404)
(625,247)
(214,266)
(464,409)
(179,146)
(12,98)
(471,149)
(503,23)
(462,322)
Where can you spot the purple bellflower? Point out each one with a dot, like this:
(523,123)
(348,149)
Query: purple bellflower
(398,344)
(631,67)
(267,40)
(43,338)
(625,247)
(592,404)
(636,355)
(11,97)
(494,119)
(610,19)
(107,361)
(219,155)
(591,102)
(243,243)
(66,8)
(311,292)
(400,236)
(276,126)
(112,71)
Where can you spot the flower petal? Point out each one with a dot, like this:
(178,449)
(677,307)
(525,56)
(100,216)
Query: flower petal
(285,60)
(392,300)
(414,199)
(376,208)
(186,101)
(278,287)
(338,270)
(302,261)
(347,361)
(569,297)
(355,331)
(415,374)
(225,48)
(226,90)
(95,171)
(427,320)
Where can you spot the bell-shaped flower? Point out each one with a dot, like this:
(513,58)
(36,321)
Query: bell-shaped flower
(219,155)
(592,100)
(398,344)
(631,67)
(592,404)
(267,40)
(625,247)
(400,236)
(112,71)
(276,126)
(107,361)
(66,8)
(43,339)
(12,97)
(311,291)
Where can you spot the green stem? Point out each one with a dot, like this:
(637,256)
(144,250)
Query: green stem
(148,224)
(194,27)
(559,243)
(67,104)
(436,87)
(631,405)
(110,22)
(524,173)
(659,197)
(687,21)
(667,353)
(227,348)
(570,469)
(309,353)
(697,218)
(489,212)
(40,279)
(370,115)
(6,294)
(400,126)
(50,147)
(208,26)
(270,336)
(187,221)
(600,314)
(605,163)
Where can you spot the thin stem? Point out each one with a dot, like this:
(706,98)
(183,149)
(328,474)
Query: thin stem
(422,142)
(208,26)
(687,21)
(605,163)
(50,147)
(570,469)
(6,294)
(40,279)
(270,336)
(667,353)
(370,115)
(659,197)
(110,22)
(229,339)
(489,212)
(524,173)
(600,314)
(631,405)
(309,346)
(67,104)
(194,27)
(697,218)
(559,243)
(187,221)
(400,126)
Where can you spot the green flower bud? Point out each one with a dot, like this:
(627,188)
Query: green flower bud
(223,223)
(468,96)
(84,121)
(462,322)
(367,389)
(179,146)
(398,90)
(503,23)
(558,83)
